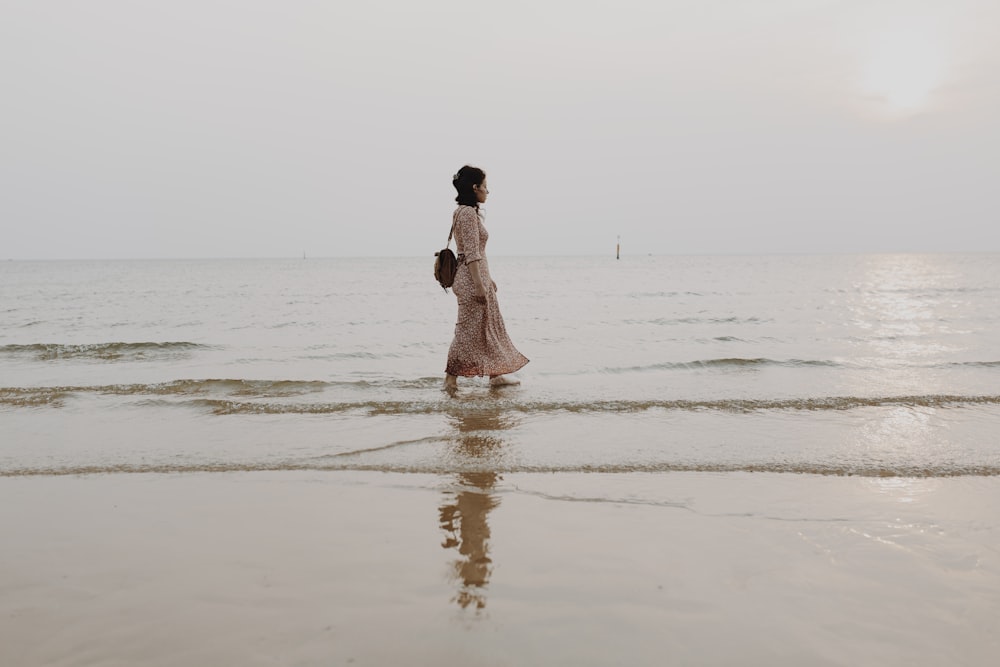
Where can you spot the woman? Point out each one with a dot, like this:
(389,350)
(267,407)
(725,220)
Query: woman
(481,345)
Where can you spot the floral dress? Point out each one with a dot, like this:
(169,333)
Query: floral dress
(481,345)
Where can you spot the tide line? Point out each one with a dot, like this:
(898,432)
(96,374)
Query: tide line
(803,468)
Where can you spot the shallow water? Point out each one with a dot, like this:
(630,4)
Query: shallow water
(877,365)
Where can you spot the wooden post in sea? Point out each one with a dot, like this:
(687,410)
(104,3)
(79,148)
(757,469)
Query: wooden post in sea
(618,249)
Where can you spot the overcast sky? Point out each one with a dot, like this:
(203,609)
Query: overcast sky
(202,128)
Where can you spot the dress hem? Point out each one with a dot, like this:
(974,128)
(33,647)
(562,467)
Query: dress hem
(468,373)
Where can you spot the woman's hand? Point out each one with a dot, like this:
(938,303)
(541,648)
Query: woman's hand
(494,286)
(477,281)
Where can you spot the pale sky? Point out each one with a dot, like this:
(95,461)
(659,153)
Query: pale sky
(203,128)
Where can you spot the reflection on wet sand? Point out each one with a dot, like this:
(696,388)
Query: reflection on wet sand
(464,512)
(463,519)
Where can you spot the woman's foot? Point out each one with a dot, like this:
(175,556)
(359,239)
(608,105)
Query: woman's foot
(503,381)
(450,382)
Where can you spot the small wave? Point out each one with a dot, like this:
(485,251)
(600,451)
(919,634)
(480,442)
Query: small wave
(247,388)
(237,396)
(805,468)
(932,291)
(419,383)
(648,295)
(732,362)
(665,321)
(381,408)
(351,356)
(242,388)
(51,397)
(102,351)
(740,362)
(38,396)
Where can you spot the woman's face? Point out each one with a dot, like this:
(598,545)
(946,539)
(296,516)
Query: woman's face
(482,192)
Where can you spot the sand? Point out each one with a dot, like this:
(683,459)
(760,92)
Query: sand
(368,568)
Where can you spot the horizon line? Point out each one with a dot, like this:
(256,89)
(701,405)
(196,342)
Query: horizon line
(540,256)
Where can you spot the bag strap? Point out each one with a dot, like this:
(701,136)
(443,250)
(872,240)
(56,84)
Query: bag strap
(454,220)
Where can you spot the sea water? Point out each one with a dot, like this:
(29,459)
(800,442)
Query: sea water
(832,364)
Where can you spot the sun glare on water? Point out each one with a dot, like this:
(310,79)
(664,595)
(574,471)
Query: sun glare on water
(903,71)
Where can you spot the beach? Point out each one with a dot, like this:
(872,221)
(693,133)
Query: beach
(368,568)
(730,272)
(709,461)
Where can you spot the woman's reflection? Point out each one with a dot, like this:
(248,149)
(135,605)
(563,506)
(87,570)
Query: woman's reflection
(464,512)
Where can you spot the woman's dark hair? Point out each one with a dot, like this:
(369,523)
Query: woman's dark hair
(464,180)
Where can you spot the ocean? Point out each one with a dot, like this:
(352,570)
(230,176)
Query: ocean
(874,365)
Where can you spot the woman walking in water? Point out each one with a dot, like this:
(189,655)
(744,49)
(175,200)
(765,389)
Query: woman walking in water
(481,345)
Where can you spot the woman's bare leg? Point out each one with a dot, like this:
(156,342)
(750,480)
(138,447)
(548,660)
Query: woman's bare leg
(450,381)
(502,381)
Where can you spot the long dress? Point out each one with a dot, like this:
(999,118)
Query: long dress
(481,345)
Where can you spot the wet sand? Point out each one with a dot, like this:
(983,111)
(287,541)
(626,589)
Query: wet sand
(369,568)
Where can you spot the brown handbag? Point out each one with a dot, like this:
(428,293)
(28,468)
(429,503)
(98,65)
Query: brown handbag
(446,264)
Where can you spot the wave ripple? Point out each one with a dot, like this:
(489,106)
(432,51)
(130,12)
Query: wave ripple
(116,351)
(861,470)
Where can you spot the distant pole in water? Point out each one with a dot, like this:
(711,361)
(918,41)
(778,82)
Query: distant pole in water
(618,249)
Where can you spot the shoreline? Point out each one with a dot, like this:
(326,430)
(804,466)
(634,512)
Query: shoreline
(484,568)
